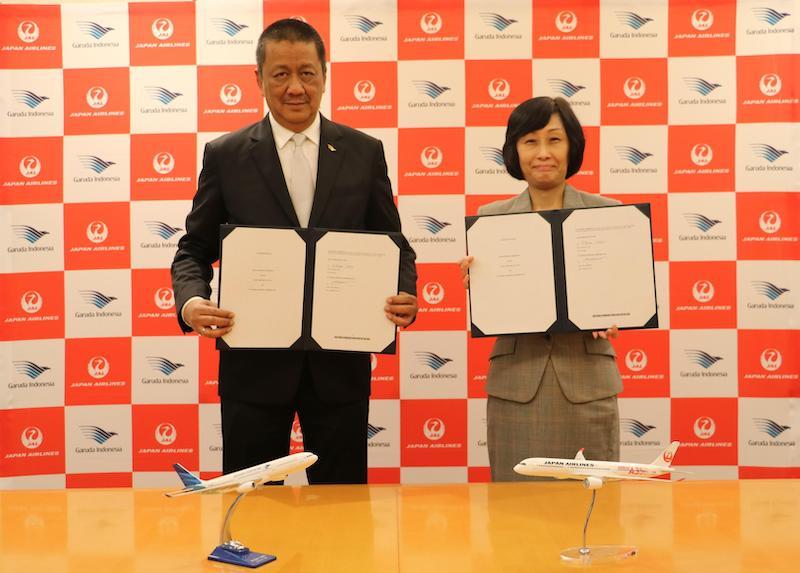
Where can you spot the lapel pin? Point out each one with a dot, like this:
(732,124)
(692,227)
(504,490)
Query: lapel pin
(331,147)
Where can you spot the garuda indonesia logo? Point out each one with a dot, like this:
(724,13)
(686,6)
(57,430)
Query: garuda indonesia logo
(30,369)
(28,98)
(162,95)
(373,430)
(496,21)
(95,163)
(769,15)
(493,155)
(432,360)
(228,27)
(635,427)
(766,151)
(632,19)
(631,154)
(430,224)
(362,23)
(96,298)
(430,89)
(700,221)
(564,87)
(162,229)
(163,365)
(97,434)
(768,289)
(771,427)
(701,86)
(93,29)
(702,358)
(28,233)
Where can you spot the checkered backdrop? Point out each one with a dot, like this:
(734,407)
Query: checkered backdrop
(690,106)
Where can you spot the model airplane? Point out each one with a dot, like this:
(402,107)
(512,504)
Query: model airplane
(595,473)
(244,480)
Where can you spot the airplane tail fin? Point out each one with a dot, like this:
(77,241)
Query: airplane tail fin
(188,479)
(665,458)
(579,455)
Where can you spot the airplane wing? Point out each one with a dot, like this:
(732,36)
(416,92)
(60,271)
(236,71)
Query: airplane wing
(218,488)
(634,478)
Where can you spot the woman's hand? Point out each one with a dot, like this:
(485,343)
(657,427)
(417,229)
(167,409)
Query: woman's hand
(464,264)
(609,334)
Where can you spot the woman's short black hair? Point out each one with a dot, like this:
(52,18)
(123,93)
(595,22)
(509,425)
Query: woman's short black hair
(292,30)
(534,114)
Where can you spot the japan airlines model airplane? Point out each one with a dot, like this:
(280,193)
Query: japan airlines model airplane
(595,473)
(244,480)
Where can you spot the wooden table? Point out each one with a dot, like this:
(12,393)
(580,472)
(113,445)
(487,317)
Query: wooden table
(714,526)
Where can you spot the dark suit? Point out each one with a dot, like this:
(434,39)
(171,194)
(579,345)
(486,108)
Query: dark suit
(242,183)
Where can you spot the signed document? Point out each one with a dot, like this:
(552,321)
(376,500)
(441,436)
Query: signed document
(562,271)
(308,289)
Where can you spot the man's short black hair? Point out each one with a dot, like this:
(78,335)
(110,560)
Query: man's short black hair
(291,30)
(533,115)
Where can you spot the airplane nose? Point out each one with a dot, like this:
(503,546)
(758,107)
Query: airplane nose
(518,468)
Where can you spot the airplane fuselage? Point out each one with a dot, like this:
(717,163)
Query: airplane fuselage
(270,471)
(580,469)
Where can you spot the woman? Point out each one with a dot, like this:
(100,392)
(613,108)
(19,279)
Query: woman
(549,395)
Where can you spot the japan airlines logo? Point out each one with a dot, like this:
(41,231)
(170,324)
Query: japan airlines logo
(702,358)
(430,224)
(700,221)
(97,97)
(771,359)
(434,429)
(634,87)
(631,154)
(702,19)
(703,291)
(93,29)
(493,155)
(30,166)
(372,431)
(566,21)
(430,23)
(162,230)
(98,367)
(769,16)
(362,23)
(701,86)
(702,154)
(496,21)
(166,433)
(297,432)
(364,91)
(31,302)
(770,84)
(163,162)
(704,427)
(431,157)
(28,31)
(164,298)
(635,427)
(31,437)
(768,289)
(30,369)
(28,98)
(430,89)
(632,19)
(499,89)
(770,427)
(433,293)
(95,163)
(163,365)
(96,298)
(28,233)
(431,360)
(162,95)
(97,231)
(770,222)
(766,151)
(636,359)
(228,27)
(230,94)
(162,28)
(564,87)
(97,434)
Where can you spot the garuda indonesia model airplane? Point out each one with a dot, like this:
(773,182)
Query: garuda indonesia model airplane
(595,473)
(244,480)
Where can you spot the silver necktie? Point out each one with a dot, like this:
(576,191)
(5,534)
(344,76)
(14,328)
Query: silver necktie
(301,188)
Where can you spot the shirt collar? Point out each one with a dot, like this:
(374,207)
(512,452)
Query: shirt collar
(283,135)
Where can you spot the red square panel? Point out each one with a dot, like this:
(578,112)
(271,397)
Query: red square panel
(97,236)
(768,88)
(702,29)
(364,93)
(163,166)
(30,37)
(430,31)
(478,350)
(228,98)
(31,170)
(634,92)
(153,303)
(643,360)
(431,161)
(701,158)
(386,375)
(768,226)
(442,298)
(33,442)
(703,294)
(98,371)
(34,306)
(164,435)
(433,433)
(495,88)
(707,429)
(162,33)
(769,363)
(566,31)
(97,101)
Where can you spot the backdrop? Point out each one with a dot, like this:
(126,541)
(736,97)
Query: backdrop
(690,106)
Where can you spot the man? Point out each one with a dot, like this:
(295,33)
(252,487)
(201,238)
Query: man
(264,175)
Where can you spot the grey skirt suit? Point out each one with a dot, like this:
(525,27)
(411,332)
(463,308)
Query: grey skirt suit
(550,395)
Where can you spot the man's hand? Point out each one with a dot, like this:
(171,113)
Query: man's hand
(401,308)
(206,319)
(464,264)
(609,334)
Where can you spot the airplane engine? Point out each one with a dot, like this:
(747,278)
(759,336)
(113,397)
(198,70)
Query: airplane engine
(246,487)
(593,483)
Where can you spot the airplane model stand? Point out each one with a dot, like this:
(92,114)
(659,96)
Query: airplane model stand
(587,555)
(234,552)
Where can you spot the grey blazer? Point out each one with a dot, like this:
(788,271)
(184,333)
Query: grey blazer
(585,367)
